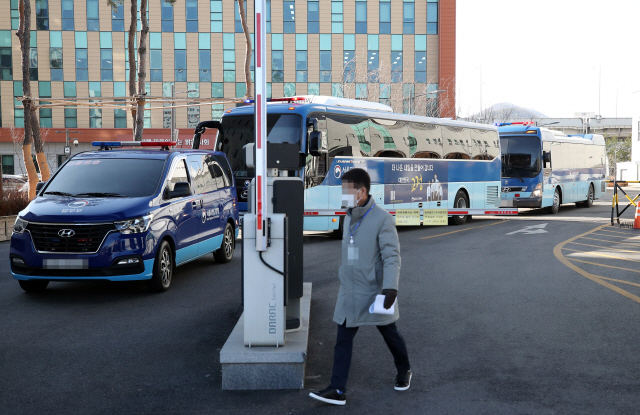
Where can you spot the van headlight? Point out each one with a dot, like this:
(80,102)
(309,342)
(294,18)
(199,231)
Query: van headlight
(537,192)
(20,225)
(136,225)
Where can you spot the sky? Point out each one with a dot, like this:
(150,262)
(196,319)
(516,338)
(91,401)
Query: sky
(548,55)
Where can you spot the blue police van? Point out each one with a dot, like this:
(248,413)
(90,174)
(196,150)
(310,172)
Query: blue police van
(126,214)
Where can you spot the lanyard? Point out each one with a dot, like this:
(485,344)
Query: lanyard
(359,222)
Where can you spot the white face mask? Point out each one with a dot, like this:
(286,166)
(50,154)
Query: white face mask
(349,200)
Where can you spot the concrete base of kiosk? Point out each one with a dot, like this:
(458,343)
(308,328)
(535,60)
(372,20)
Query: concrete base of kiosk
(246,368)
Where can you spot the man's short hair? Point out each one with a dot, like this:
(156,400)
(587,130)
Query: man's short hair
(359,177)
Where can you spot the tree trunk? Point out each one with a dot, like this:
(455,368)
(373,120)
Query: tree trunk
(247,56)
(142,71)
(24,34)
(132,60)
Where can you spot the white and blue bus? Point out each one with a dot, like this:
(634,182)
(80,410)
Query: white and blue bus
(544,169)
(414,162)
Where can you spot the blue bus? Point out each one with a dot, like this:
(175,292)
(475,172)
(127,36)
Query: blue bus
(544,169)
(414,162)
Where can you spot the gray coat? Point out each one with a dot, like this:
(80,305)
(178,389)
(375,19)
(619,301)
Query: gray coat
(369,266)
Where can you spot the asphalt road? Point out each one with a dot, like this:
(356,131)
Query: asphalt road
(534,314)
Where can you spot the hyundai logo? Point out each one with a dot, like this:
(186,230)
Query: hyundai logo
(506,189)
(66,233)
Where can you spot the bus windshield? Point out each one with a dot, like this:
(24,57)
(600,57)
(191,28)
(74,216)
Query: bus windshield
(238,131)
(520,156)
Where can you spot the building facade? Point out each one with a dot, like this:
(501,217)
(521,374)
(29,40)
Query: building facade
(399,52)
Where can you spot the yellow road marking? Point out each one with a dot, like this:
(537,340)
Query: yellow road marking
(607,230)
(604,255)
(621,281)
(604,247)
(617,236)
(603,265)
(557,251)
(615,243)
(466,229)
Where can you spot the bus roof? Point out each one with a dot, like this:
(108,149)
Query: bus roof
(551,135)
(314,103)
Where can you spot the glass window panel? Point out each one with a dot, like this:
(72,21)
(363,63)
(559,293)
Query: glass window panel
(289,89)
(81,40)
(95,89)
(156,58)
(336,7)
(167,10)
(192,9)
(349,42)
(385,28)
(396,42)
(70,89)
(93,10)
(313,88)
(106,59)
(336,90)
(325,60)
(229,41)
(180,59)
(67,9)
(205,59)
(336,27)
(5,38)
(217,90)
(432,12)
(44,89)
(432,28)
(325,42)
(105,40)
(277,61)
(155,40)
(385,12)
(313,11)
(55,57)
(421,42)
(276,42)
(361,11)
(119,90)
(372,42)
(301,60)
(408,12)
(301,42)
(81,59)
(180,40)
(241,89)
(204,41)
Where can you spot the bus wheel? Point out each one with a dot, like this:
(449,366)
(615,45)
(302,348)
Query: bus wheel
(337,233)
(460,202)
(589,202)
(556,202)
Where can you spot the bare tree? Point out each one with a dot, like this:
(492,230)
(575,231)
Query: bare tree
(31,122)
(248,48)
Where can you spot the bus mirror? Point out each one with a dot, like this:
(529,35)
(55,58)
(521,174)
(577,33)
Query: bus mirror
(546,157)
(313,122)
(316,144)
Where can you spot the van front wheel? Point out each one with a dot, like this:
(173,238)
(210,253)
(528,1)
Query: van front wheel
(162,269)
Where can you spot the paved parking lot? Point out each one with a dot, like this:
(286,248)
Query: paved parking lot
(534,314)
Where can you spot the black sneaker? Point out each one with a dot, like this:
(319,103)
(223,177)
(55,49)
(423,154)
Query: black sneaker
(330,395)
(403,381)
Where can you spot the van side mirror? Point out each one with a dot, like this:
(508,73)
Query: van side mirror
(180,189)
(316,144)
(39,186)
(546,157)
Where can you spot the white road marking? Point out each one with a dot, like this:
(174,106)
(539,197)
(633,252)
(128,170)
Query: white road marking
(528,230)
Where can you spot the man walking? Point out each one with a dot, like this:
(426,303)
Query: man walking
(370,267)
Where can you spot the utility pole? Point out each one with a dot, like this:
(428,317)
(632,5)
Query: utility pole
(67,147)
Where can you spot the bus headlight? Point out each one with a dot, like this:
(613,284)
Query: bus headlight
(537,192)
(136,225)
(20,225)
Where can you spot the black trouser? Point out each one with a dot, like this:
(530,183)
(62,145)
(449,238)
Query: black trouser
(344,347)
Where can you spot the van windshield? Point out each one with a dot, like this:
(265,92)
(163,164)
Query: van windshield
(109,177)
(238,131)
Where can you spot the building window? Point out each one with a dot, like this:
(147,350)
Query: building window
(71,118)
(313,88)
(336,16)
(408,17)
(385,92)
(95,114)
(119,116)
(33,56)
(325,58)
(268,16)
(385,17)
(146,122)
(432,18)
(229,57)
(6,63)
(313,17)
(55,55)
(167,16)
(301,57)
(166,113)
(69,89)
(180,55)
(67,15)
(93,16)
(82,71)
(7,164)
(289,89)
(42,14)
(204,57)
(336,90)
(289,17)
(216,16)
(44,90)
(421,59)
(117,18)
(193,111)
(238,22)
(192,15)
(217,91)
(18,112)
(361,91)
(407,95)
(349,59)
(361,16)
(15,15)
(396,58)
(106,57)
(373,58)
(155,56)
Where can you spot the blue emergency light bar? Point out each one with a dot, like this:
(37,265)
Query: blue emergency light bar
(502,124)
(112,144)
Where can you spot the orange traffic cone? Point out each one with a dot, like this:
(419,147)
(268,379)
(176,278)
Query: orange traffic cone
(636,222)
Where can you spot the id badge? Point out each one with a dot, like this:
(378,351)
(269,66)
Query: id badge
(353,255)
